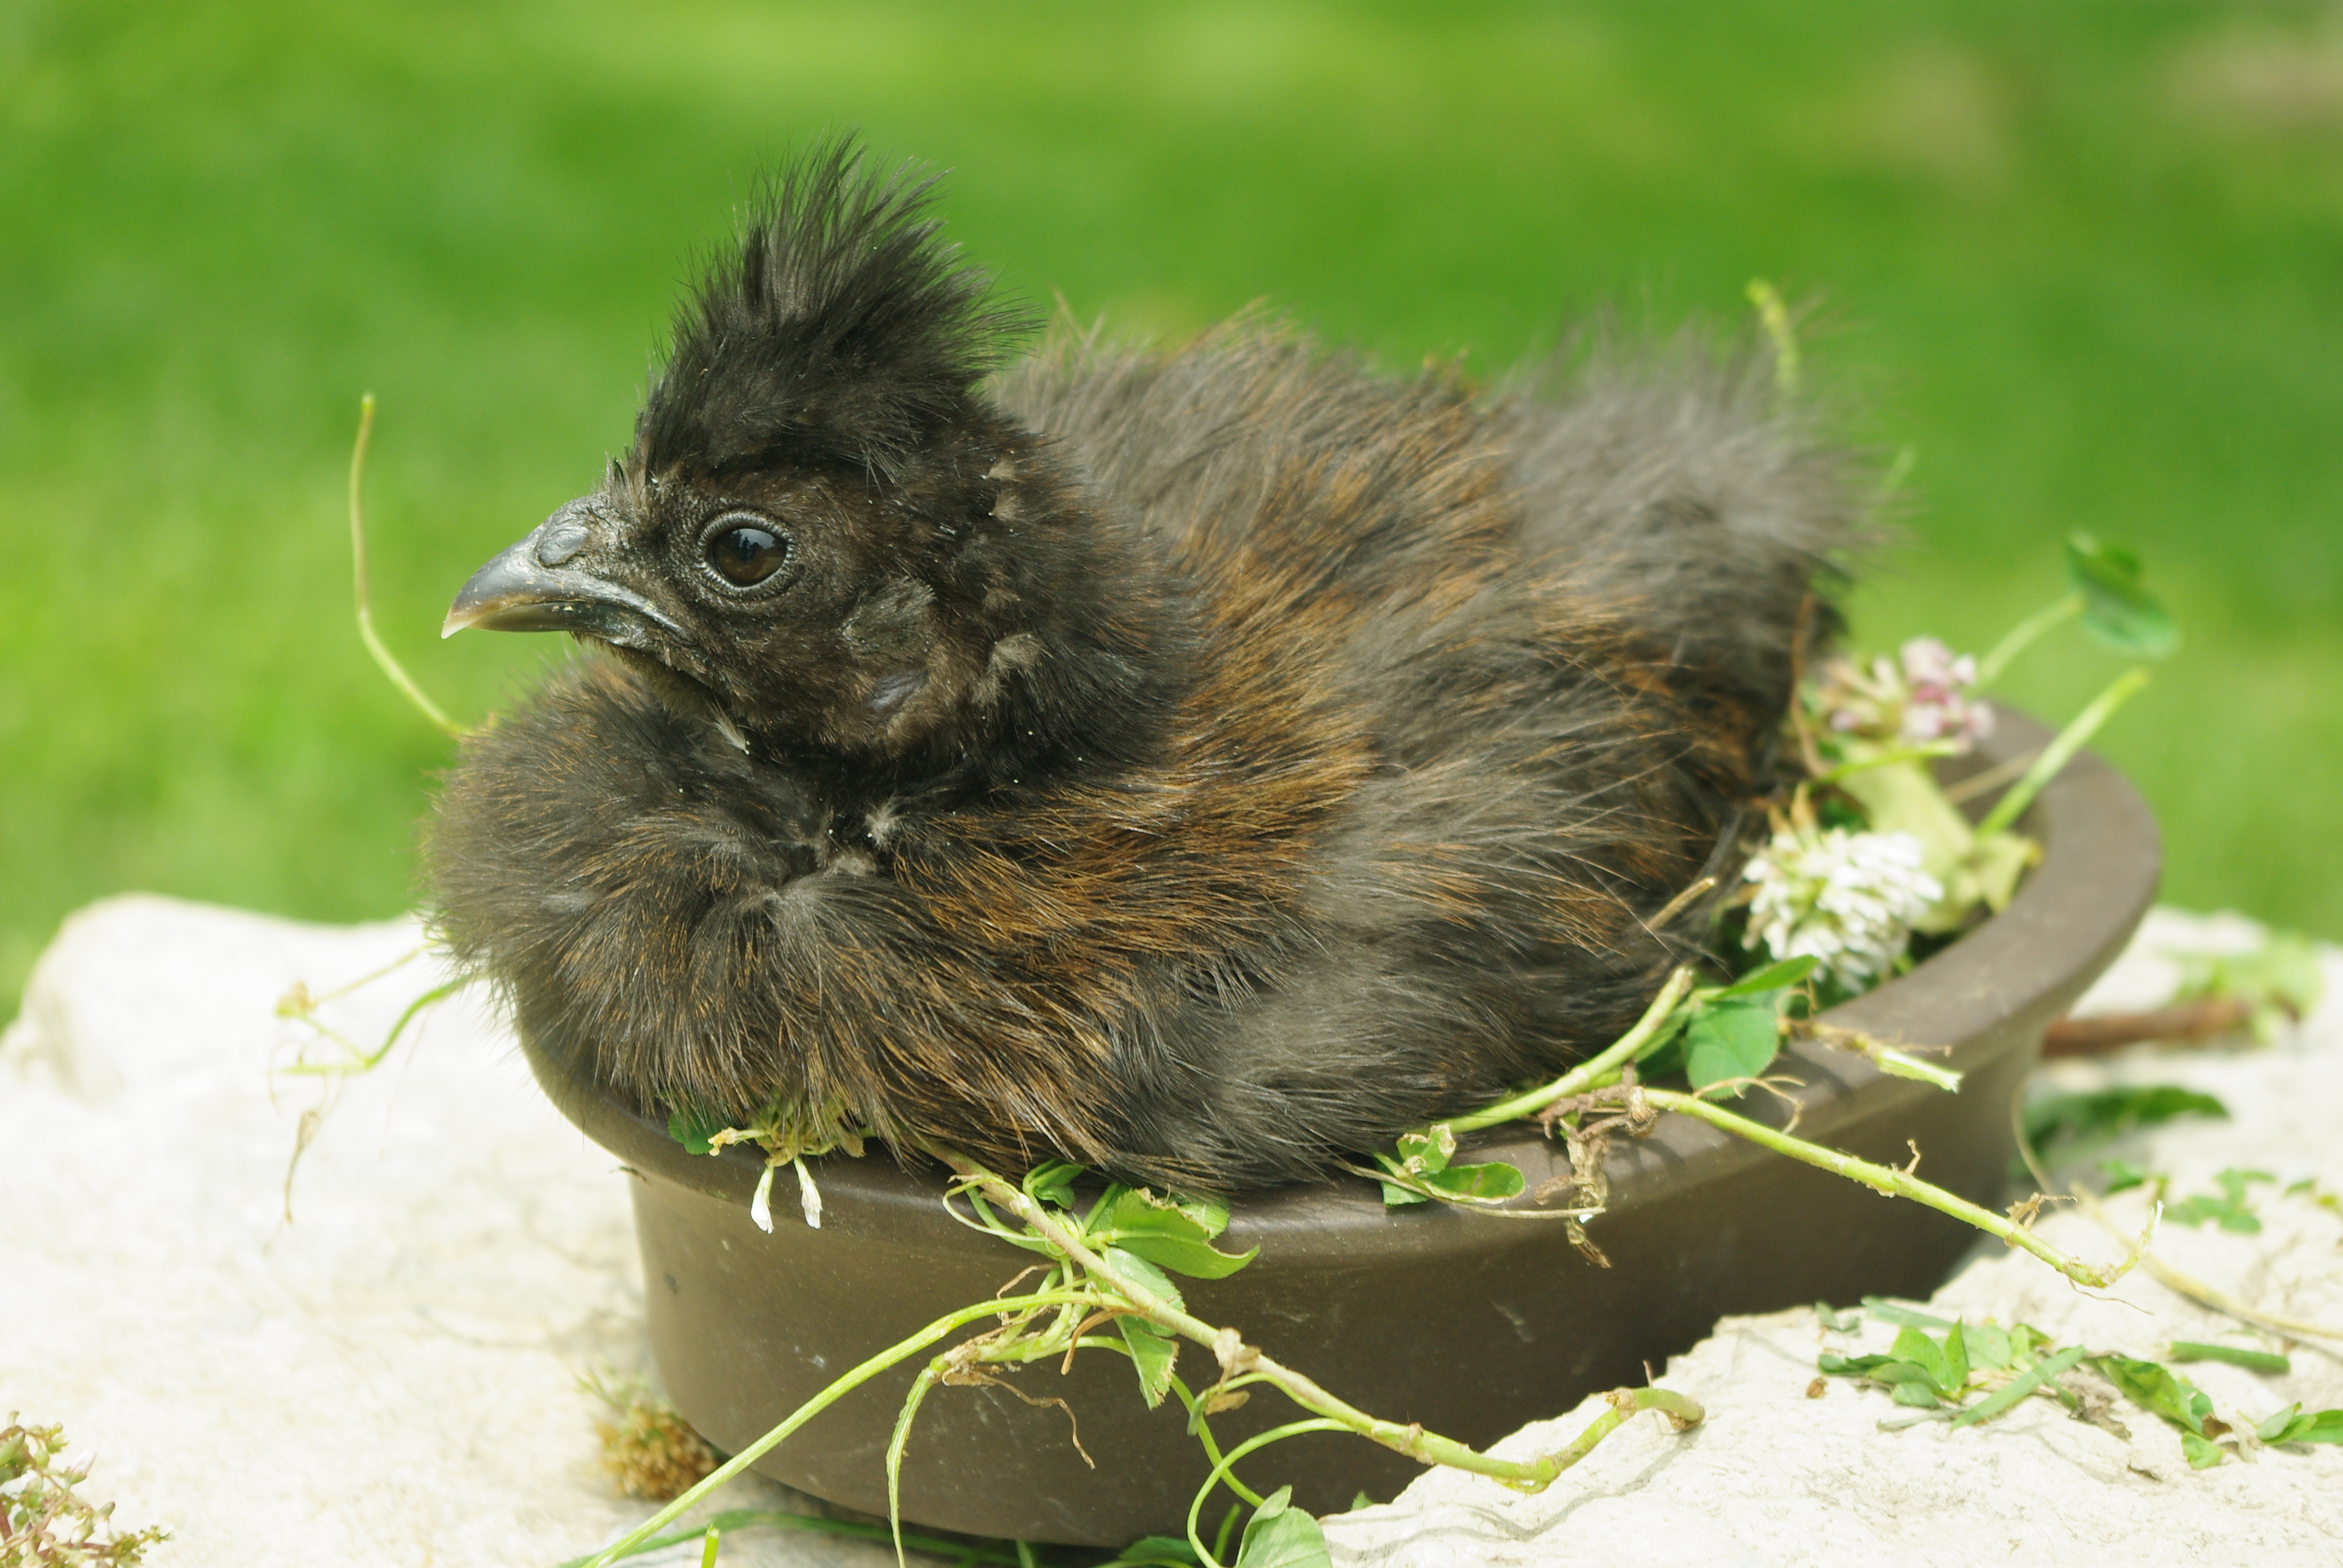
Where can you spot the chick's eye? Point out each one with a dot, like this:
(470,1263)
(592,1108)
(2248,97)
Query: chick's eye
(746,554)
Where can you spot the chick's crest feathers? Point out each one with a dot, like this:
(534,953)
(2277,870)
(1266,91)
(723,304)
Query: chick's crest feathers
(836,328)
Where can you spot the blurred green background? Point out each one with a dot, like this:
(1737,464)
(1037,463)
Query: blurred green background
(2085,260)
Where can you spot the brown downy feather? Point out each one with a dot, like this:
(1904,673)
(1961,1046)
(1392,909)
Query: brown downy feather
(1291,755)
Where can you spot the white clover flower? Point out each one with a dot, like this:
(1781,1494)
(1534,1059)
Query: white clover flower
(1846,898)
(1856,701)
(1926,694)
(1937,703)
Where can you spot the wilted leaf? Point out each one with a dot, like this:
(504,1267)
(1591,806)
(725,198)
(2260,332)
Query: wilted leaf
(2116,607)
(1428,1150)
(1730,1039)
(1279,1535)
(2157,1388)
(2202,1454)
(1153,1354)
(1987,1346)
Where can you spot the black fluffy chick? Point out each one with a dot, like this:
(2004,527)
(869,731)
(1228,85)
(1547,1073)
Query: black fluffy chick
(1198,765)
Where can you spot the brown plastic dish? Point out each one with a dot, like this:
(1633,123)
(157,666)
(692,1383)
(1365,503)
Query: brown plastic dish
(1471,1325)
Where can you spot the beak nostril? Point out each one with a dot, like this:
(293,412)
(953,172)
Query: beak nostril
(560,542)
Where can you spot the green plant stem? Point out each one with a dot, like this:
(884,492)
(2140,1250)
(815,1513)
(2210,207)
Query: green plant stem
(1229,1349)
(901,1351)
(2163,1273)
(368,1060)
(1202,1427)
(363,981)
(1896,1184)
(382,656)
(1594,1072)
(2056,755)
(1888,759)
(1775,316)
(1880,1054)
(2197,1290)
(2024,634)
(1274,1434)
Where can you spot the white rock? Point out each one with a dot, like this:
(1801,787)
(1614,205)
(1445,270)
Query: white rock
(389,1379)
(1776,1478)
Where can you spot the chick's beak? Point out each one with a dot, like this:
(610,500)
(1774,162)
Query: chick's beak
(532,587)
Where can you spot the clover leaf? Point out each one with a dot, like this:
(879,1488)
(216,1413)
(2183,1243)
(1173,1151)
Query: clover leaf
(693,1130)
(1279,1535)
(1175,1233)
(2117,609)
(1729,1039)
(1153,1354)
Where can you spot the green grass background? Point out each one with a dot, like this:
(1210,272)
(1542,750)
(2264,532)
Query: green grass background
(2085,260)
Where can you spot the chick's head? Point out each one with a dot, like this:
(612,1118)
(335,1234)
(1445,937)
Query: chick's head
(823,530)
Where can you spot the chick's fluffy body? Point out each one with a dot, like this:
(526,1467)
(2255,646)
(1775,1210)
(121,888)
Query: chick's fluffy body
(1298,754)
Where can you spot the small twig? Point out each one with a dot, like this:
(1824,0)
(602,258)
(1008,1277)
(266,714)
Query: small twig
(1677,905)
(2188,1022)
